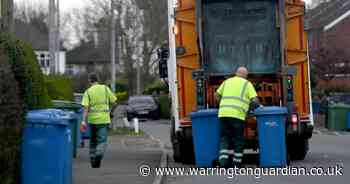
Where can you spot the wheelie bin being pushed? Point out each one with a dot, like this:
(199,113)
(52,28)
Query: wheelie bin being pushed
(47,148)
(206,137)
(77,111)
(272,136)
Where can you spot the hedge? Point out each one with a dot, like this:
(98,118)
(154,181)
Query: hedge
(40,97)
(11,124)
(121,96)
(26,71)
(156,87)
(163,102)
(60,87)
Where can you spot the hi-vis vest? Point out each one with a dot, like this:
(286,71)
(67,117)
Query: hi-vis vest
(98,98)
(236,94)
(100,102)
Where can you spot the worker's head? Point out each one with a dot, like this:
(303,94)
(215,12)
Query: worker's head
(93,78)
(242,72)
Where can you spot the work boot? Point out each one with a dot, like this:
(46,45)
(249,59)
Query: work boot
(96,162)
(236,164)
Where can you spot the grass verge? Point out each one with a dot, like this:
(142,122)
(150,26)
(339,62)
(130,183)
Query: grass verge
(125,131)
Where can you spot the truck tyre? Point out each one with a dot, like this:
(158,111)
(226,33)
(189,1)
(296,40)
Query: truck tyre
(176,151)
(175,142)
(299,148)
(188,147)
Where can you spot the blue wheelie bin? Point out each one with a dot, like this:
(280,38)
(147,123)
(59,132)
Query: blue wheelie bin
(206,136)
(348,122)
(47,148)
(77,111)
(272,136)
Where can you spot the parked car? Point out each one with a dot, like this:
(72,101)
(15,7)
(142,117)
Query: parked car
(142,107)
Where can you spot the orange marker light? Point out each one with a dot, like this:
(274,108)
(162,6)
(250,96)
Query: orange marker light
(175,29)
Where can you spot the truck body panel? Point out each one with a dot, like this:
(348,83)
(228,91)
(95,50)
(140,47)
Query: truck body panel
(205,42)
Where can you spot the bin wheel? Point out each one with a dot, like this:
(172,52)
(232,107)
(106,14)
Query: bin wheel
(215,163)
(298,149)
(288,159)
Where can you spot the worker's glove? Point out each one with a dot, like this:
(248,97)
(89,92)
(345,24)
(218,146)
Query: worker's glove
(83,126)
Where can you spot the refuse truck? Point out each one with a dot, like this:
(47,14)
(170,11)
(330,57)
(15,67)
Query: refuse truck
(209,39)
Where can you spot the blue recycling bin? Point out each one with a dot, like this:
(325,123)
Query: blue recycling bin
(206,136)
(348,121)
(272,136)
(47,148)
(316,107)
(77,112)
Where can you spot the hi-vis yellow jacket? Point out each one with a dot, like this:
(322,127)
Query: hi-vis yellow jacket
(98,98)
(236,94)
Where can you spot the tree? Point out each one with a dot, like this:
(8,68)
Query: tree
(141,29)
(37,14)
(329,63)
(6,20)
(330,69)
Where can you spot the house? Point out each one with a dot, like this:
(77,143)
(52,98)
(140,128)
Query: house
(89,57)
(328,26)
(38,37)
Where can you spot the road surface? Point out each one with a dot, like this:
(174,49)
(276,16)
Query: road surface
(327,149)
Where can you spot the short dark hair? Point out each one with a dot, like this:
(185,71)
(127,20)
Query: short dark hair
(93,77)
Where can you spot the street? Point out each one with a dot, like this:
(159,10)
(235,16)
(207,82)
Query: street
(327,149)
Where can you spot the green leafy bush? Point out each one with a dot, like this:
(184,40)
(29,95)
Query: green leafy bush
(121,85)
(11,124)
(121,96)
(156,87)
(60,87)
(26,71)
(36,87)
(163,102)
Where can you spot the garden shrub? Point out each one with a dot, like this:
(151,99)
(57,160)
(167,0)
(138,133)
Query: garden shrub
(156,87)
(60,87)
(163,102)
(121,96)
(26,72)
(11,124)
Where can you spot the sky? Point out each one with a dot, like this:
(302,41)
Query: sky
(67,5)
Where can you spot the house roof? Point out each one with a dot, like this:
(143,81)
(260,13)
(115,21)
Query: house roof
(86,52)
(327,14)
(39,39)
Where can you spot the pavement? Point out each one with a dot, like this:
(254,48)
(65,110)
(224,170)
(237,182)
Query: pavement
(124,156)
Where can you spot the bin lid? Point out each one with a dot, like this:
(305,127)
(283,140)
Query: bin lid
(204,113)
(49,116)
(340,106)
(272,110)
(68,105)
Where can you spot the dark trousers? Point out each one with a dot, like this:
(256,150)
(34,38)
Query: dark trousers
(98,143)
(232,142)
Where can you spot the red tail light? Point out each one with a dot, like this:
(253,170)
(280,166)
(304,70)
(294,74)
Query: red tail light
(294,119)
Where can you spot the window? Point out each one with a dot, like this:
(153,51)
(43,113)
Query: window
(43,59)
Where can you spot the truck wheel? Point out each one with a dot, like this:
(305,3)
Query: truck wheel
(188,147)
(176,151)
(299,149)
(175,142)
